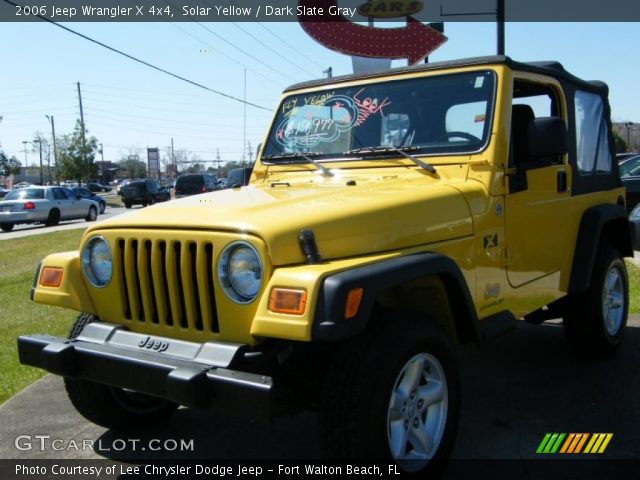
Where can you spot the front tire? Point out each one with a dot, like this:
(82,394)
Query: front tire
(6,227)
(393,392)
(112,407)
(103,207)
(92,215)
(595,320)
(127,205)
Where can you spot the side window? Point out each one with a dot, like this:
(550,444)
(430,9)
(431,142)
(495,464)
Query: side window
(58,194)
(592,135)
(530,101)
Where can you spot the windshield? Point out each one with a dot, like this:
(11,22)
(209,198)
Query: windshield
(437,115)
(25,194)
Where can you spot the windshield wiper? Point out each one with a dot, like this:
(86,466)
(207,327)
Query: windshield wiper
(384,149)
(304,156)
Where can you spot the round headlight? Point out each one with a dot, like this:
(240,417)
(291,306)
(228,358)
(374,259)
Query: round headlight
(240,272)
(97,263)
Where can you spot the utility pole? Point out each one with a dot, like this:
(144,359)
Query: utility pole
(244,131)
(249,151)
(40,145)
(84,144)
(102,167)
(53,133)
(218,160)
(628,125)
(173,158)
(24,142)
(328,72)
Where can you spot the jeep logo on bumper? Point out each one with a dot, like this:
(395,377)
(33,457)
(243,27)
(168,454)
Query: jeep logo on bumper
(151,344)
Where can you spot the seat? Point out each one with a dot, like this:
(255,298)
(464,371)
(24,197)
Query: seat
(521,115)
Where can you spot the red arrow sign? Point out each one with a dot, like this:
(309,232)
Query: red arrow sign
(415,41)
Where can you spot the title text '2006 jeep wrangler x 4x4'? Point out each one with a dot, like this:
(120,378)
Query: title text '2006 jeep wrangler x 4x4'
(389,217)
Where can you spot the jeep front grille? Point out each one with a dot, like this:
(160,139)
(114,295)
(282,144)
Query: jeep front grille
(168,282)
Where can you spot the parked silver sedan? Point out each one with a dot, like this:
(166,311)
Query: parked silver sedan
(46,205)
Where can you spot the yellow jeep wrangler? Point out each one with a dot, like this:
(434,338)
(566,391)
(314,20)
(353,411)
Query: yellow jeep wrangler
(389,217)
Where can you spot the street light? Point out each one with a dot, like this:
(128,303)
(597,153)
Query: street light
(628,124)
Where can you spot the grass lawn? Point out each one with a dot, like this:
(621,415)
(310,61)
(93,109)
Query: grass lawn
(20,316)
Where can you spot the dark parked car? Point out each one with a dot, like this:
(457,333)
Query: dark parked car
(96,187)
(144,192)
(194,183)
(239,177)
(630,175)
(621,157)
(85,193)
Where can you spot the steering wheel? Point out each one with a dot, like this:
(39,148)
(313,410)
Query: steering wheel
(465,135)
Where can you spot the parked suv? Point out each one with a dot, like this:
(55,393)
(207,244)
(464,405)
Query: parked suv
(239,177)
(143,192)
(389,217)
(194,183)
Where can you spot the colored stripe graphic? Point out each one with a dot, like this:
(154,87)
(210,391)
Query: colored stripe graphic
(596,443)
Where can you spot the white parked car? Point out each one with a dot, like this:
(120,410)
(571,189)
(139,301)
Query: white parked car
(48,205)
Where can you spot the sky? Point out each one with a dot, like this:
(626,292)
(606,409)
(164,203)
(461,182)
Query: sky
(129,106)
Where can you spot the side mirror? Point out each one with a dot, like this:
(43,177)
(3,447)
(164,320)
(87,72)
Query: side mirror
(547,137)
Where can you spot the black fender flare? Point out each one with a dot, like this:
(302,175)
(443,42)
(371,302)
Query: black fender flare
(610,220)
(329,323)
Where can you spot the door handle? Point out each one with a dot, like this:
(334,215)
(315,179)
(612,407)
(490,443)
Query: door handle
(561,177)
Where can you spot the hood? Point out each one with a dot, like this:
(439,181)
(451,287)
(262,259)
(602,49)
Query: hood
(368,216)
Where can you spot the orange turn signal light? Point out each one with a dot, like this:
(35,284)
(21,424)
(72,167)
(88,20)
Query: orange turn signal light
(288,300)
(354,297)
(51,277)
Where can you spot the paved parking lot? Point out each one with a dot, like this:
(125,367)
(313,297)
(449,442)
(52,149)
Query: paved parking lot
(516,389)
(39,229)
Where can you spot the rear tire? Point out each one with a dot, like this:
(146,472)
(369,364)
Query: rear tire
(393,392)
(127,205)
(6,227)
(53,219)
(92,215)
(594,321)
(112,407)
(103,207)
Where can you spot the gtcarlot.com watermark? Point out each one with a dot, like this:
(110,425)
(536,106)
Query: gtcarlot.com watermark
(27,443)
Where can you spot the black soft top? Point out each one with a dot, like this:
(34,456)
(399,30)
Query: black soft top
(550,68)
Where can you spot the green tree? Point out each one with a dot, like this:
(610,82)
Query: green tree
(621,145)
(8,165)
(132,167)
(76,157)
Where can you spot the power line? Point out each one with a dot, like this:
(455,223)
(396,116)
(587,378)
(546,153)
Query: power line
(135,59)
(296,50)
(159,108)
(254,58)
(128,115)
(261,42)
(246,53)
(126,99)
(208,45)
